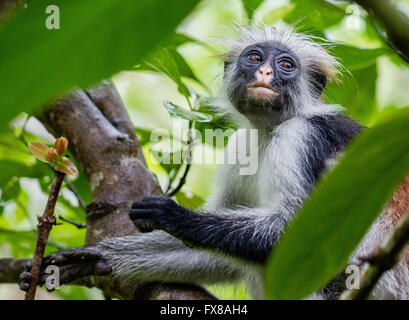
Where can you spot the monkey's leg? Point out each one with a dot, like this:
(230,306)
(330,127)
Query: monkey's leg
(159,257)
(143,258)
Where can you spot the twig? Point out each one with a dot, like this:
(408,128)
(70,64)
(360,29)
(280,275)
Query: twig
(45,224)
(188,160)
(181,182)
(81,202)
(385,258)
(74,223)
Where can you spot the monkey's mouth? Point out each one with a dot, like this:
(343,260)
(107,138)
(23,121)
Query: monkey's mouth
(262,92)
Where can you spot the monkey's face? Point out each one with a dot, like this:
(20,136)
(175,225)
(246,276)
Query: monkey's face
(264,79)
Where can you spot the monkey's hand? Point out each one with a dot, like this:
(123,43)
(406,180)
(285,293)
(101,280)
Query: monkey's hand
(72,265)
(156,213)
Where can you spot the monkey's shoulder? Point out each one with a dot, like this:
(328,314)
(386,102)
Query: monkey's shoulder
(334,130)
(329,135)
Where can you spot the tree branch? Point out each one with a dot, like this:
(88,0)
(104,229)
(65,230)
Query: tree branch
(394,21)
(385,258)
(74,223)
(104,143)
(45,224)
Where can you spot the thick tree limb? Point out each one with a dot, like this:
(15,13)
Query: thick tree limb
(103,142)
(394,21)
(385,258)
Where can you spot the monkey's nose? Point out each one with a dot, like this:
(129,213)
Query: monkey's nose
(265,70)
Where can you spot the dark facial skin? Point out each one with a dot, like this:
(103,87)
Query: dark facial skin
(265,62)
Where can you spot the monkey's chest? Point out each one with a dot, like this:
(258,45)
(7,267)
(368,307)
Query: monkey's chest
(276,178)
(268,185)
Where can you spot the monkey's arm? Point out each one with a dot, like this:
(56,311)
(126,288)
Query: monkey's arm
(248,234)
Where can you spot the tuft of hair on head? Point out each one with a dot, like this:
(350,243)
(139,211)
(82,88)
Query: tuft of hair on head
(311,50)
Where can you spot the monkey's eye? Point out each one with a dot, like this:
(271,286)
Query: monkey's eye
(286,64)
(255,57)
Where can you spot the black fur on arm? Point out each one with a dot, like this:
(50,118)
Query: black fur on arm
(330,135)
(247,236)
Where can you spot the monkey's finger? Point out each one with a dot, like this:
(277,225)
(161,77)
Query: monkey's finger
(102,268)
(24,285)
(144,225)
(26,276)
(43,278)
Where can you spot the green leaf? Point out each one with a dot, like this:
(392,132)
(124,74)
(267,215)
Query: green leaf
(82,187)
(220,126)
(353,58)
(144,135)
(11,190)
(10,169)
(357,93)
(167,159)
(173,64)
(180,113)
(177,39)
(163,61)
(250,6)
(39,150)
(189,200)
(96,40)
(314,15)
(335,218)
(277,14)
(183,66)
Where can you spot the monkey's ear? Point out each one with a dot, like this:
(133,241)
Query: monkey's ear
(226,64)
(319,81)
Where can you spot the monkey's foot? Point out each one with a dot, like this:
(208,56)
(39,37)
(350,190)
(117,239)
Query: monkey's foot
(70,265)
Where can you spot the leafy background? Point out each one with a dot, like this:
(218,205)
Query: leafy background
(170,85)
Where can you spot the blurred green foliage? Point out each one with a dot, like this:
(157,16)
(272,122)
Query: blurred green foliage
(172,85)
